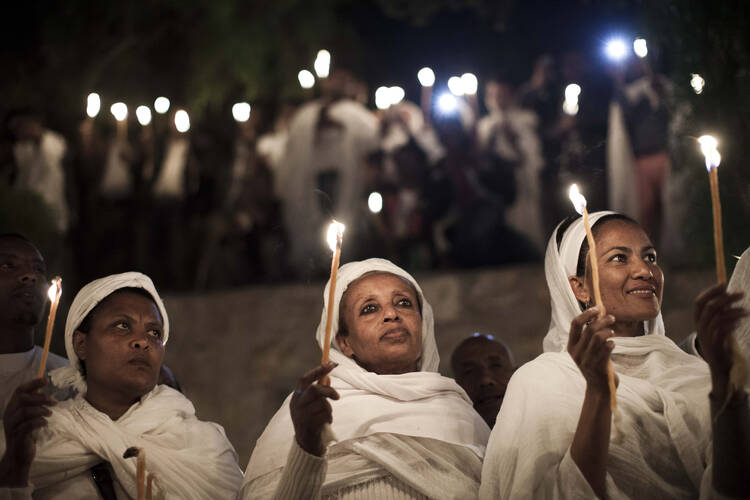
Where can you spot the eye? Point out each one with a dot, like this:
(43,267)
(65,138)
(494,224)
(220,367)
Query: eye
(156,333)
(122,326)
(368,308)
(651,258)
(404,302)
(620,257)
(6,265)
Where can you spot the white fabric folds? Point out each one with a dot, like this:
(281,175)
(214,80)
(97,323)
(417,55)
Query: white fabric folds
(86,299)
(190,459)
(419,427)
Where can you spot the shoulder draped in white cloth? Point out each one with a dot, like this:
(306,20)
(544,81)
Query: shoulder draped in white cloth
(662,399)
(191,459)
(419,428)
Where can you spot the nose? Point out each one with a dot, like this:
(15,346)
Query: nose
(390,313)
(30,277)
(487,380)
(139,342)
(641,270)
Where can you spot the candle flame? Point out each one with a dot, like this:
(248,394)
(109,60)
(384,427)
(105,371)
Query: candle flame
(335,234)
(579,201)
(55,289)
(709,148)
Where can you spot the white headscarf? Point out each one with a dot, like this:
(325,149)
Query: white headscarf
(559,264)
(420,404)
(87,298)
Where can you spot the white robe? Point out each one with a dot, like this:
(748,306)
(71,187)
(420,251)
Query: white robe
(190,459)
(21,367)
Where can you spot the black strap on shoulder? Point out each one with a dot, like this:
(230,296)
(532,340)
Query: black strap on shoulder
(103,480)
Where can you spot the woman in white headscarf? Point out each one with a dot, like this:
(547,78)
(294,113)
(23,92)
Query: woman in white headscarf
(114,337)
(399,429)
(671,438)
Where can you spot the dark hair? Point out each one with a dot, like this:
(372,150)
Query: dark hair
(343,328)
(85,325)
(17,236)
(478,337)
(595,229)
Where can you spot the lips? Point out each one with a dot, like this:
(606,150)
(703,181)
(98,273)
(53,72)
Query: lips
(644,291)
(395,334)
(139,361)
(490,400)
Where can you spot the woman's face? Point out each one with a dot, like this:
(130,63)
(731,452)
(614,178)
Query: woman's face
(123,349)
(381,313)
(630,279)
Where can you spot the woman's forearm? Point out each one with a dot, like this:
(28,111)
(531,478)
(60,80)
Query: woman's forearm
(731,445)
(591,441)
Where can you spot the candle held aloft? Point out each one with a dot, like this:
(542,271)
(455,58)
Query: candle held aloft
(334,238)
(140,469)
(54,292)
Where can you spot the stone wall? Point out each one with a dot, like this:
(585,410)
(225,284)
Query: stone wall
(239,353)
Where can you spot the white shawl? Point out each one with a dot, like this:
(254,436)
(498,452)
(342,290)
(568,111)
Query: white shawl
(190,458)
(662,400)
(389,408)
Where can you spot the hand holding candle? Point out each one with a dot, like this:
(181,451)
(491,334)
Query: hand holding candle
(579,202)
(55,290)
(334,238)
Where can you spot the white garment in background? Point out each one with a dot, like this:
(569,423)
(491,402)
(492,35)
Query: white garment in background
(343,150)
(662,401)
(117,181)
(384,425)
(170,182)
(40,170)
(21,367)
(525,214)
(271,147)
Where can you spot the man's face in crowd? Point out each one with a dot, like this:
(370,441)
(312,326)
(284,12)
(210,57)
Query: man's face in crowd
(23,282)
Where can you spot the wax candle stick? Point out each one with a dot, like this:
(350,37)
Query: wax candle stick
(335,238)
(140,469)
(55,290)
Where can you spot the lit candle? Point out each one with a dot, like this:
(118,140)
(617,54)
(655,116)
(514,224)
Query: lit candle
(709,148)
(120,111)
(334,237)
(579,202)
(55,290)
(140,469)
(426,79)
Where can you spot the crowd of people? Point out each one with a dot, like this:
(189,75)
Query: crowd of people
(225,203)
(379,420)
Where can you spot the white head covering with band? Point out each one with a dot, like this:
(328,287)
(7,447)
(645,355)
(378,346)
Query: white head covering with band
(559,264)
(84,302)
(385,417)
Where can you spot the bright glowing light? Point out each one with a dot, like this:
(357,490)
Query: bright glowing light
(93,104)
(119,110)
(456,86)
(579,201)
(161,105)
(469,83)
(322,63)
(697,82)
(143,113)
(447,103)
(396,95)
(616,49)
(383,98)
(640,47)
(335,234)
(709,148)
(55,289)
(572,91)
(375,203)
(182,121)
(306,79)
(241,111)
(570,107)
(426,77)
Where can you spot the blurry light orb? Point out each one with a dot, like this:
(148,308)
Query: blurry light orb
(708,144)
(697,82)
(182,121)
(456,86)
(426,77)
(640,47)
(396,94)
(447,103)
(616,49)
(306,79)
(143,113)
(572,91)
(322,63)
(119,110)
(93,104)
(469,83)
(241,111)
(161,105)
(570,107)
(375,202)
(383,98)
